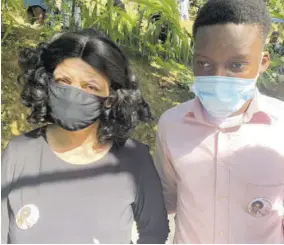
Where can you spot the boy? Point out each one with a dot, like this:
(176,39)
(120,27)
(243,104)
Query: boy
(221,155)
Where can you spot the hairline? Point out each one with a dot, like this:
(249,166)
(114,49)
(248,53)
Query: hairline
(260,28)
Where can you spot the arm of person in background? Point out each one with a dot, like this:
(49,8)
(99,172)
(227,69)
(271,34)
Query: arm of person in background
(149,207)
(183,8)
(166,171)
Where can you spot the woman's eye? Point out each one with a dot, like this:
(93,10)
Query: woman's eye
(90,87)
(62,81)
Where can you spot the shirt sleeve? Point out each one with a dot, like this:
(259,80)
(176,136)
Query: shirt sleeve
(166,172)
(149,208)
(283,219)
(6,181)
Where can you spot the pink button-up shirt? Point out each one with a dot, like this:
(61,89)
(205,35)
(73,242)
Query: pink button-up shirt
(212,177)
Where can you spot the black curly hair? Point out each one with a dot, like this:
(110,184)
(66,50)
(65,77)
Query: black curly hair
(127,106)
(216,12)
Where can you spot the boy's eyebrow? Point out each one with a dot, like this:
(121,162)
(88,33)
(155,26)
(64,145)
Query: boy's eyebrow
(241,56)
(204,56)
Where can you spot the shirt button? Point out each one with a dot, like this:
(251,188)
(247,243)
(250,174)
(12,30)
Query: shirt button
(221,233)
(221,198)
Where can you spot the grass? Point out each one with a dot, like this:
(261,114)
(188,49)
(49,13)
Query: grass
(160,98)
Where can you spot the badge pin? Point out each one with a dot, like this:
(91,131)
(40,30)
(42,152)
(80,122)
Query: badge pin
(96,241)
(27,216)
(260,207)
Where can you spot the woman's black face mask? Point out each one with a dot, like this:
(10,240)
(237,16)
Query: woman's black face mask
(72,108)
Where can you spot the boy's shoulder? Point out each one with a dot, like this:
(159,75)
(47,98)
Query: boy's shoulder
(273,107)
(177,113)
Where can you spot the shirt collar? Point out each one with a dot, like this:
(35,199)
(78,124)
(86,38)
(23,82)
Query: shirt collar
(254,114)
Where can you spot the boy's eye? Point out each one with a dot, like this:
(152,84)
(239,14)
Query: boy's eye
(237,65)
(203,64)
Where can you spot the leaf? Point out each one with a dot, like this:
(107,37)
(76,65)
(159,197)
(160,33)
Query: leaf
(176,103)
(14,128)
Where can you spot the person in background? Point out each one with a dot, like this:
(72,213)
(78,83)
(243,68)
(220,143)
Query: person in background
(119,3)
(80,179)
(274,37)
(274,42)
(222,152)
(36,10)
(183,7)
(276,49)
(71,8)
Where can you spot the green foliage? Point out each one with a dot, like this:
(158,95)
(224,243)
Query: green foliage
(136,32)
(135,29)
(276,8)
(132,29)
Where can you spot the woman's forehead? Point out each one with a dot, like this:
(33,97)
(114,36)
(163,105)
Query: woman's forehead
(77,68)
(75,63)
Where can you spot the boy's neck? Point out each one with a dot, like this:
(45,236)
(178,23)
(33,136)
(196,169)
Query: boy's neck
(243,109)
(235,120)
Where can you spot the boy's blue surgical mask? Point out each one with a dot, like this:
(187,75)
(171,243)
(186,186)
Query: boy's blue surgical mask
(223,96)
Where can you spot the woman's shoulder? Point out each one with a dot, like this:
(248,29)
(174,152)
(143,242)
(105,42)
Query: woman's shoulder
(135,146)
(20,155)
(27,140)
(135,154)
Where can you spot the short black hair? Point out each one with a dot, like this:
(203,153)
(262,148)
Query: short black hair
(216,12)
(275,33)
(128,107)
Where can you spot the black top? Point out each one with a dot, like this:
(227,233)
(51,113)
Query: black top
(47,200)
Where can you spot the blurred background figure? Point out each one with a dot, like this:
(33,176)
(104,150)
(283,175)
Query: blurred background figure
(276,48)
(70,8)
(35,11)
(119,3)
(274,42)
(183,8)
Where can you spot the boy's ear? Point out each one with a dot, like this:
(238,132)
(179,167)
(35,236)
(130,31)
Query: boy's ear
(265,61)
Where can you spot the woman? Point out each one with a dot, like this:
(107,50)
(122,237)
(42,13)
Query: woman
(80,179)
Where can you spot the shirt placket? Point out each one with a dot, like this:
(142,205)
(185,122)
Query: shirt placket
(221,229)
